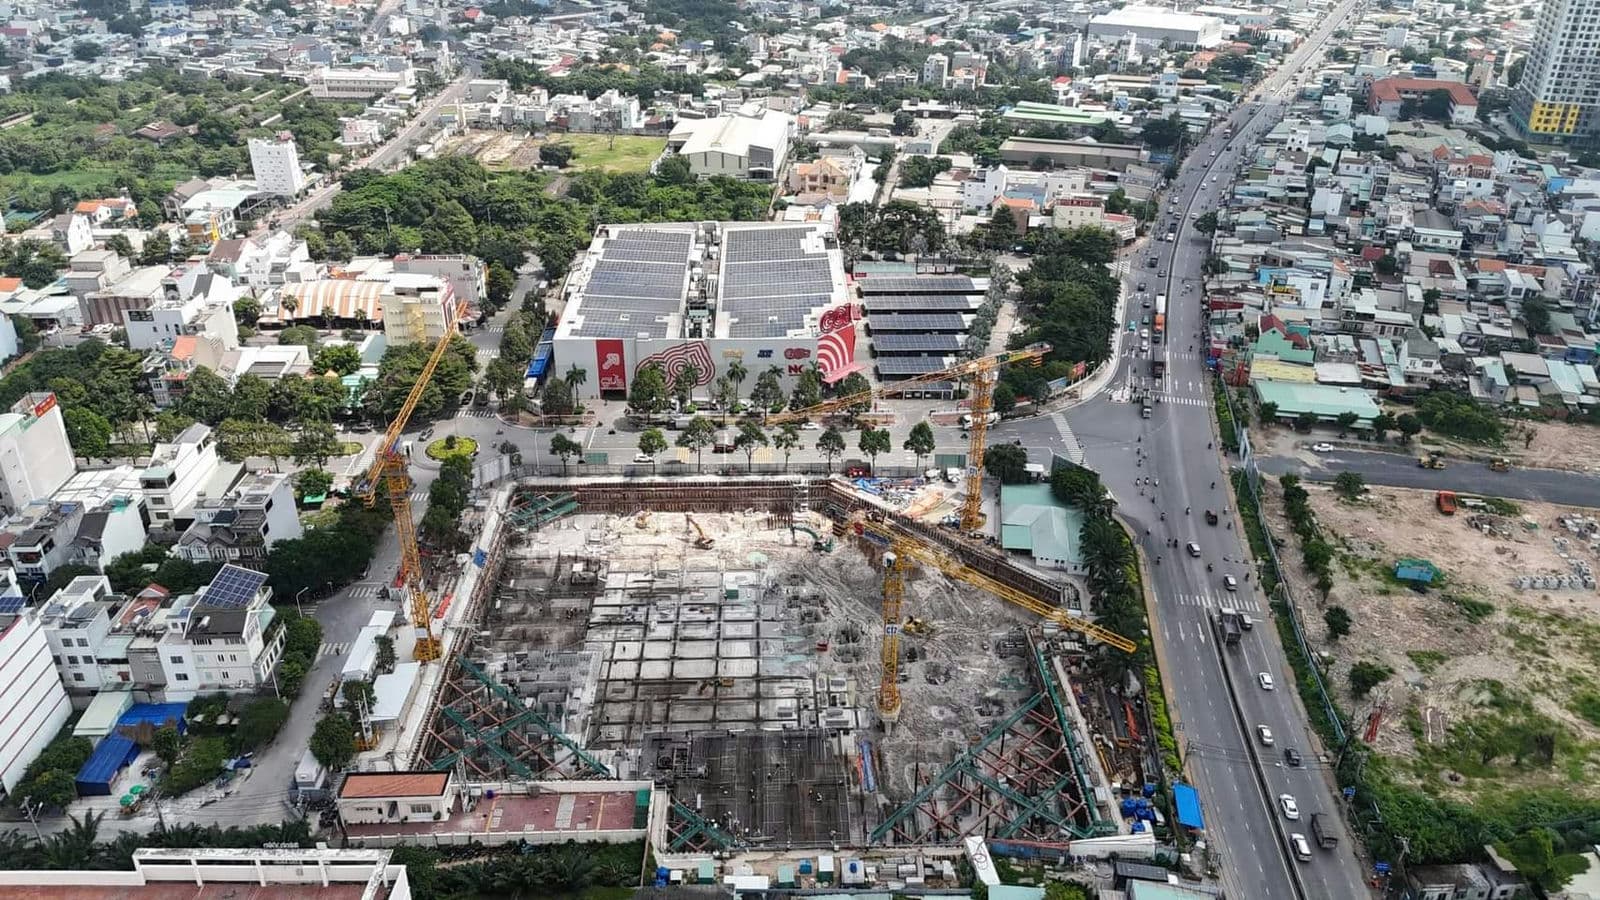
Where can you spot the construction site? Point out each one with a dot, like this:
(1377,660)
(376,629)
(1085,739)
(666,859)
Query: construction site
(728,641)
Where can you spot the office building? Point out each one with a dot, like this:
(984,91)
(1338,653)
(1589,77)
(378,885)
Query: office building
(936,70)
(276,165)
(1559,93)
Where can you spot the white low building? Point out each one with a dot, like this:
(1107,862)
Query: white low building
(33,703)
(751,143)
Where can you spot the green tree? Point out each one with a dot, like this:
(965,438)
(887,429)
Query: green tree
(1364,676)
(1349,485)
(786,441)
(737,373)
(556,399)
(167,743)
(697,436)
(807,390)
(333,741)
(1338,622)
(246,310)
(1536,313)
(831,445)
(340,359)
(558,155)
(647,396)
(1305,421)
(88,432)
(750,437)
(499,282)
(1540,860)
(449,229)
(1207,223)
(767,395)
(1346,421)
(304,335)
(684,383)
(259,722)
(515,345)
(1004,398)
(1007,462)
(920,441)
(873,442)
(1382,424)
(313,482)
(565,448)
(206,397)
(1386,265)
(1080,488)
(315,444)
(725,395)
(652,442)
(1410,426)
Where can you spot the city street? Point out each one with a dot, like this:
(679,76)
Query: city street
(1399,469)
(1164,480)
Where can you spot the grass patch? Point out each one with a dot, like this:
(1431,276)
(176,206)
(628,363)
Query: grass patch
(1502,507)
(1587,706)
(1225,424)
(1474,611)
(1161,719)
(446,447)
(349,448)
(1427,661)
(613,153)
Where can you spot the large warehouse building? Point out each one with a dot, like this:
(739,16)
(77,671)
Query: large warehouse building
(1153,25)
(706,294)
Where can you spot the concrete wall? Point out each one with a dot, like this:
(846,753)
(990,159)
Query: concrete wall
(712,356)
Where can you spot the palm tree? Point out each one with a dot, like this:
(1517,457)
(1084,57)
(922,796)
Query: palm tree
(18,850)
(1105,554)
(289,305)
(77,847)
(576,377)
(737,373)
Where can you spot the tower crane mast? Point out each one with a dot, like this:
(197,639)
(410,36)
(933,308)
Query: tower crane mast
(389,469)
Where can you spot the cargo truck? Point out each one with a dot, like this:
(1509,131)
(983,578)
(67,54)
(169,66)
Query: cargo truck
(1322,830)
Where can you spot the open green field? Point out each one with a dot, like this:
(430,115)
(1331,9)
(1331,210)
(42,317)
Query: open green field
(613,153)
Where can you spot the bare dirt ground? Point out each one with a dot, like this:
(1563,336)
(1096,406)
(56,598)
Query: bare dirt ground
(1472,644)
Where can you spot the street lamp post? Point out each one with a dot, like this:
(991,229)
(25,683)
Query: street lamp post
(297,597)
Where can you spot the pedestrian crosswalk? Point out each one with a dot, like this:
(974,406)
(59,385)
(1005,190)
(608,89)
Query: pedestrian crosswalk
(360,591)
(467,412)
(419,496)
(1182,400)
(488,352)
(329,648)
(495,329)
(1243,602)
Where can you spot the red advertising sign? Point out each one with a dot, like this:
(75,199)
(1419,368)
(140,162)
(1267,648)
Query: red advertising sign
(44,406)
(608,358)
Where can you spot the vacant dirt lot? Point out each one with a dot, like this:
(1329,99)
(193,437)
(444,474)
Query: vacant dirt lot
(1480,667)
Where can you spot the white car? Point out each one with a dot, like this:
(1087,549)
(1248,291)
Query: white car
(1265,680)
(1194,550)
(1291,810)
(1321,448)
(1230,582)
(643,458)
(810,426)
(1265,734)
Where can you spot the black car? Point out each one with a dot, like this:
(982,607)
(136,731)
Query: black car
(1291,756)
(1141,285)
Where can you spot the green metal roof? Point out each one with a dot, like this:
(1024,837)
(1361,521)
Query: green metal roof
(1033,521)
(1325,401)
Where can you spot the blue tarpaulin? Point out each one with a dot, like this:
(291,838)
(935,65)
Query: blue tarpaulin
(100,771)
(1188,804)
(156,715)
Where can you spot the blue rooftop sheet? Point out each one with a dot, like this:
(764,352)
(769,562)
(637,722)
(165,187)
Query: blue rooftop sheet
(1188,803)
(157,714)
(101,769)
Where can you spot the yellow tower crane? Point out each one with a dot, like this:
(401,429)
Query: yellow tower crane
(982,373)
(389,469)
(900,550)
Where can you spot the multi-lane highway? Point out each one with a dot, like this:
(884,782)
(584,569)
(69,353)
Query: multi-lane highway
(1165,473)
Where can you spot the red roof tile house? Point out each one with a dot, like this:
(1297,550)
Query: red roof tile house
(1387,96)
(379,798)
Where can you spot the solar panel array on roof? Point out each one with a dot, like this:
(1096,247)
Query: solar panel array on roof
(641,277)
(950,284)
(919,322)
(12,604)
(920,303)
(902,366)
(771,281)
(234,587)
(916,343)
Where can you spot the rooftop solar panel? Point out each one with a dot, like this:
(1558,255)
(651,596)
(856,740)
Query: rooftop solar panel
(903,366)
(917,285)
(919,322)
(234,587)
(12,604)
(920,303)
(916,343)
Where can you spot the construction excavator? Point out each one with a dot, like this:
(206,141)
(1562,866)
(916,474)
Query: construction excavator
(900,550)
(701,542)
(983,373)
